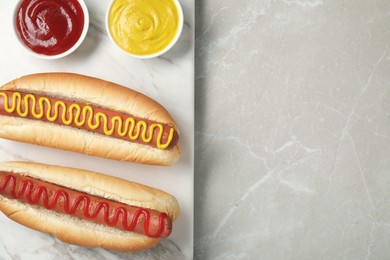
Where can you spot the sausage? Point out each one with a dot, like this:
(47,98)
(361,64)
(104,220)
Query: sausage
(95,119)
(98,210)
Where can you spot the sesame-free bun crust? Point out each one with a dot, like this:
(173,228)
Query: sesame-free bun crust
(72,230)
(86,89)
(79,231)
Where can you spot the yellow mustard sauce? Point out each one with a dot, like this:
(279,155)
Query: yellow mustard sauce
(74,112)
(143,27)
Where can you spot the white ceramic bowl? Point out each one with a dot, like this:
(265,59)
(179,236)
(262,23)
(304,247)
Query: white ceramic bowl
(173,42)
(63,54)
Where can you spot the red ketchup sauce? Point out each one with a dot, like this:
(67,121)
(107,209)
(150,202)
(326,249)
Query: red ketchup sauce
(98,210)
(49,27)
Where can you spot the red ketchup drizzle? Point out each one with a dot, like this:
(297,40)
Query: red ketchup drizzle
(49,27)
(59,200)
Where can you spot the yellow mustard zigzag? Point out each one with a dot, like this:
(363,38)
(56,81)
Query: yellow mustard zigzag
(75,110)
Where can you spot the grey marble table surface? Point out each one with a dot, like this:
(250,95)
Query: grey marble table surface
(292,129)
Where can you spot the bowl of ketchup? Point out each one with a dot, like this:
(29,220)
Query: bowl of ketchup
(51,29)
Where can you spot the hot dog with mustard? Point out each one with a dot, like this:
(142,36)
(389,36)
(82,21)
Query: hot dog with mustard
(88,115)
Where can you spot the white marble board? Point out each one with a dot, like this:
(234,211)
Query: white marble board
(168,79)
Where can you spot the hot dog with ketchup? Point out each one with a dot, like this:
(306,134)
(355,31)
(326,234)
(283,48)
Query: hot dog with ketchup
(88,115)
(86,208)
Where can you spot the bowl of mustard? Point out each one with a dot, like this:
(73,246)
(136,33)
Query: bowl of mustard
(144,28)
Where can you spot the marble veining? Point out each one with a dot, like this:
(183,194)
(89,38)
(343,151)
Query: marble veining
(292,129)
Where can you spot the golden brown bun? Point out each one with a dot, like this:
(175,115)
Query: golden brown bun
(90,90)
(82,232)
(74,230)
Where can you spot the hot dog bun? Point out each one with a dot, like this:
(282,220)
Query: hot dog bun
(88,90)
(79,231)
